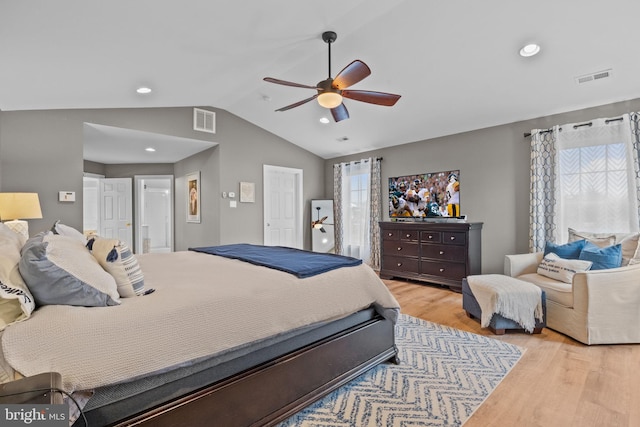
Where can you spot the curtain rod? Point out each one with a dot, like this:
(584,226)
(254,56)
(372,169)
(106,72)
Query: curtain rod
(607,121)
(358,161)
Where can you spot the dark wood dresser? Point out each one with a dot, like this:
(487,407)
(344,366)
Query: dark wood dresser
(436,252)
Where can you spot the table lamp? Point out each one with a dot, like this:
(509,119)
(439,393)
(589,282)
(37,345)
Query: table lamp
(16,207)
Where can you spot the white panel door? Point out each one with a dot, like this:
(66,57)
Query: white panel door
(117,213)
(282,207)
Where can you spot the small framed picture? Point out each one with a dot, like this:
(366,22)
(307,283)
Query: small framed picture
(247,192)
(193,197)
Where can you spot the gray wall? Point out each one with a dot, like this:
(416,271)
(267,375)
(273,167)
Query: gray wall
(494,168)
(41,151)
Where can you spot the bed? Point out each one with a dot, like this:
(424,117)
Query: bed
(219,341)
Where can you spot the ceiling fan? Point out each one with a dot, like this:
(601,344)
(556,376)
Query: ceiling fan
(318,224)
(332,90)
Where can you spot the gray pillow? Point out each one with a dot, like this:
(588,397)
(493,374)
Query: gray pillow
(61,270)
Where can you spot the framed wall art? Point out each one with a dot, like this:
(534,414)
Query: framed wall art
(193,197)
(247,192)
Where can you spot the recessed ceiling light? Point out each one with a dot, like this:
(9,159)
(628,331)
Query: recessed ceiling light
(530,50)
(324,120)
(150,149)
(143,90)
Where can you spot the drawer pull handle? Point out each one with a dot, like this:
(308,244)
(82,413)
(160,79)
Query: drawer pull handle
(400,248)
(408,235)
(430,237)
(453,238)
(399,264)
(390,234)
(441,252)
(441,270)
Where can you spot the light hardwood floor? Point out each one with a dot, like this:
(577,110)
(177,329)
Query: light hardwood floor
(557,382)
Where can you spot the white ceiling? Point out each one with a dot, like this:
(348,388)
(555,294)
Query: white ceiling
(113,145)
(455,63)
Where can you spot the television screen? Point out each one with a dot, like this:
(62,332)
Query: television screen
(435,194)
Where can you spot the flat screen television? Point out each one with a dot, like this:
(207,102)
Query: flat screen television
(425,195)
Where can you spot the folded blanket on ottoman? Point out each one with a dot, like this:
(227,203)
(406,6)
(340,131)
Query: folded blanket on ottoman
(514,299)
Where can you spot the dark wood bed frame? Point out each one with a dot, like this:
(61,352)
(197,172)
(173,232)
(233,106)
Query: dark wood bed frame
(270,393)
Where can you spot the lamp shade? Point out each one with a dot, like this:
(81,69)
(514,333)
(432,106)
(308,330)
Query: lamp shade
(19,206)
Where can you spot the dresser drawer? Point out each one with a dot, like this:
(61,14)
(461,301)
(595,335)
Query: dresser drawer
(444,252)
(396,263)
(450,270)
(390,234)
(400,248)
(409,234)
(453,238)
(431,236)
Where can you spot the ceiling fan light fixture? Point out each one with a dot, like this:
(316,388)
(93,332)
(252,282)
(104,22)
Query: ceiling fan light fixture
(329,99)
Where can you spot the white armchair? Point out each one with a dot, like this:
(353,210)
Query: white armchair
(598,307)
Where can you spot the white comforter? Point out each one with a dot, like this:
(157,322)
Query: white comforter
(203,305)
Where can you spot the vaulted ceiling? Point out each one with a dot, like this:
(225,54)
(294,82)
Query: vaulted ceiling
(455,63)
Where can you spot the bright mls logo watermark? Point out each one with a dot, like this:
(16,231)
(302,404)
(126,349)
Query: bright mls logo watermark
(34,415)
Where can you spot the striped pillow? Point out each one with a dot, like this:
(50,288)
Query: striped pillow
(117,259)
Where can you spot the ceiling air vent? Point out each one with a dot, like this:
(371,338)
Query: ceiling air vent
(594,76)
(204,120)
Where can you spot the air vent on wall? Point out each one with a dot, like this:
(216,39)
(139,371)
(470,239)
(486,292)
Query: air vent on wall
(594,76)
(204,120)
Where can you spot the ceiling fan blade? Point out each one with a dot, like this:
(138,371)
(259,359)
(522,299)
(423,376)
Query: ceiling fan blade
(378,98)
(286,83)
(340,113)
(351,74)
(297,104)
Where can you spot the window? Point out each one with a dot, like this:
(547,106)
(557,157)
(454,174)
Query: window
(356,194)
(596,185)
(585,176)
(594,188)
(356,226)
(355,207)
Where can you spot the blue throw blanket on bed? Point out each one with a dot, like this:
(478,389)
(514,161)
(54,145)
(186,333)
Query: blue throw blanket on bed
(295,261)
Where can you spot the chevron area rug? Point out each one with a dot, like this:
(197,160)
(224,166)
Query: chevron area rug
(444,376)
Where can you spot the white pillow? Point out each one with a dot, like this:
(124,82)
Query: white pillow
(61,270)
(561,269)
(630,249)
(599,239)
(65,230)
(117,259)
(16,302)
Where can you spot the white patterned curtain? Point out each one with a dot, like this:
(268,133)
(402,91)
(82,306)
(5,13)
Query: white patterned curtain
(375,214)
(634,121)
(337,207)
(356,194)
(542,226)
(585,176)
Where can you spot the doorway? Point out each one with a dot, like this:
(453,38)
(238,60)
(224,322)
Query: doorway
(154,213)
(283,206)
(107,208)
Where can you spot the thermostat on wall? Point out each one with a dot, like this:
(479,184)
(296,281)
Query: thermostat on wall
(67,196)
